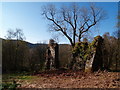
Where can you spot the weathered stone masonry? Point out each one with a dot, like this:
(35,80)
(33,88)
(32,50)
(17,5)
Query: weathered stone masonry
(88,56)
(52,56)
(96,61)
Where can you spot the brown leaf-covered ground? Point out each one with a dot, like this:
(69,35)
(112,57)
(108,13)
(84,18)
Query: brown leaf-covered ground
(72,79)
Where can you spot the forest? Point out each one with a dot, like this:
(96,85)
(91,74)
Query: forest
(25,56)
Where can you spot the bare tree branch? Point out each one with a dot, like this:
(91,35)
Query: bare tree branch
(74,19)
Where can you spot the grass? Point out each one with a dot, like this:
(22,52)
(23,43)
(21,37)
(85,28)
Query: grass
(7,77)
(10,80)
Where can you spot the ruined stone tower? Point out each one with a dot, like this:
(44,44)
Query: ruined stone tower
(52,55)
(96,61)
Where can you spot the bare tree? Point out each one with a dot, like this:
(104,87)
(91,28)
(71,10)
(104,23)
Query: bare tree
(18,45)
(19,34)
(73,21)
(10,34)
(116,34)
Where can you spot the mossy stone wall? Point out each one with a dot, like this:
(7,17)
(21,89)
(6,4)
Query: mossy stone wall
(89,55)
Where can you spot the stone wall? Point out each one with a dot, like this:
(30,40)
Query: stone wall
(89,55)
(52,56)
(95,63)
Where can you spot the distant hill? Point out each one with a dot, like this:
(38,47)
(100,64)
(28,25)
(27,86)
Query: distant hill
(31,45)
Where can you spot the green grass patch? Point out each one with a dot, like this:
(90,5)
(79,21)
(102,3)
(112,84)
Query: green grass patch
(26,77)
(13,80)
(10,80)
(7,77)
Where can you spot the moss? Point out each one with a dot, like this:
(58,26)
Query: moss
(85,50)
(86,56)
(80,49)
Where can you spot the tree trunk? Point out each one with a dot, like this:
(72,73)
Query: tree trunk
(73,61)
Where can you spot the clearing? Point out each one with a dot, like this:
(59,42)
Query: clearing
(66,79)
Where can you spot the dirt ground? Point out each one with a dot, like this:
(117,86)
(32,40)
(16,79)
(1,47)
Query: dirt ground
(73,79)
